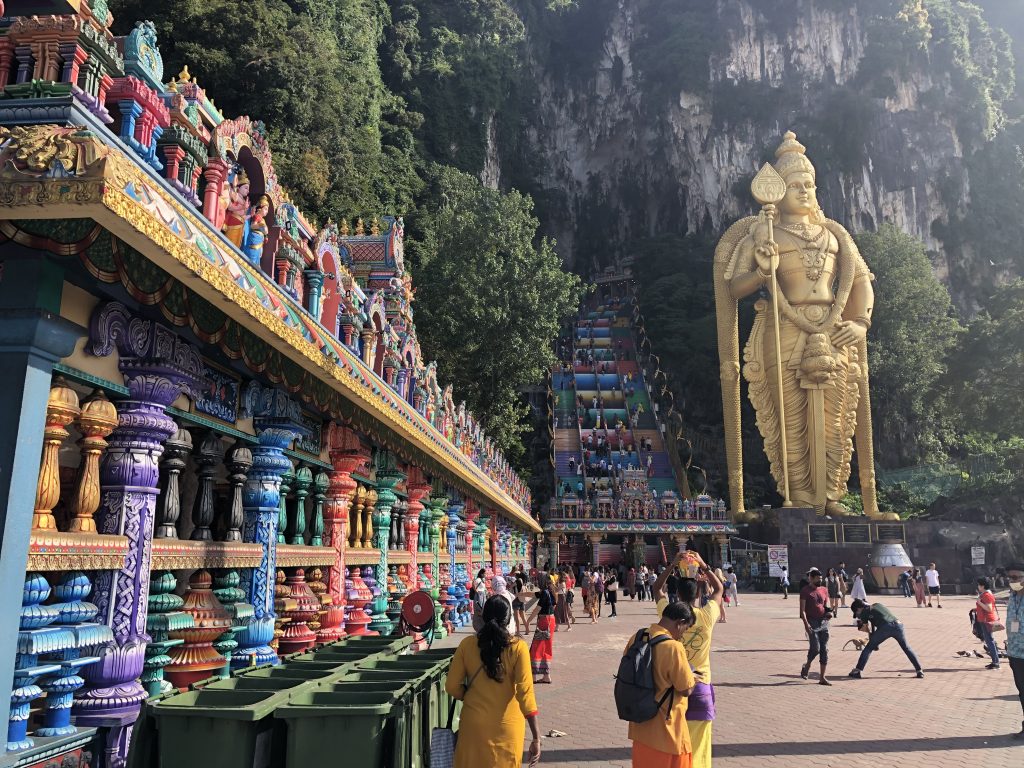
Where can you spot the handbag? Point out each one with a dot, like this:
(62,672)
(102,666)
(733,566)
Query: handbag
(541,634)
(444,740)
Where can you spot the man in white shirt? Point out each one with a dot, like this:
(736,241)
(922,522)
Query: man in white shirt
(931,578)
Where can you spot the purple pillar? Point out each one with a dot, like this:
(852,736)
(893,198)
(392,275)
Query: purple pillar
(157,368)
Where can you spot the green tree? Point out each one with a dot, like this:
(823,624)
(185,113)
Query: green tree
(987,370)
(912,333)
(490,298)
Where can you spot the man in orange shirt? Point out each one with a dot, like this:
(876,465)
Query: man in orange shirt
(664,740)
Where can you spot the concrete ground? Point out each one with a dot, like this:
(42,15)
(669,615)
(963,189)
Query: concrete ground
(959,715)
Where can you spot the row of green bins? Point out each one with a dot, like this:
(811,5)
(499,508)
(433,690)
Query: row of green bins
(395,645)
(144,750)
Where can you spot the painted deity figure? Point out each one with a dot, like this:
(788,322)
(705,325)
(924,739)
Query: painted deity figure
(256,236)
(824,307)
(237,212)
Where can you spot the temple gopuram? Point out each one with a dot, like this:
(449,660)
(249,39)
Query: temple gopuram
(222,444)
(620,495)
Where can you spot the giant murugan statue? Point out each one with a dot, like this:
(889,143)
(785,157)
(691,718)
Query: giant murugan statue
(806,359)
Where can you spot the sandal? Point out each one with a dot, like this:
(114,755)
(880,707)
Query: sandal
(804,670)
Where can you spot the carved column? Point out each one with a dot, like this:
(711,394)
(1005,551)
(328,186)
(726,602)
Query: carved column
(176,451)
(98,419)
(316,525)
(388,477)
(301,484)
(287,477)
(356,533)
(344,451)
(215,173)
(61,409)
(278,422)
(239,463)
(472,514)
(207,458)
(368,514)
(157,367)
(416,487)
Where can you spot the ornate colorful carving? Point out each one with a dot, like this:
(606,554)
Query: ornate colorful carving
(196,658)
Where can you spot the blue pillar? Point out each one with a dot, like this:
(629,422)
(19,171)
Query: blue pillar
(32,338)
(278,422)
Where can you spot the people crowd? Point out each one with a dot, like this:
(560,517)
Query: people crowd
(689,600)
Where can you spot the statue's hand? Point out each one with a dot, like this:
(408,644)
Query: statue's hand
(767,256)
(848,333)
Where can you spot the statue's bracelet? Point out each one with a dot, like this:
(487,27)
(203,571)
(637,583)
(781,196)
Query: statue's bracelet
(764,278)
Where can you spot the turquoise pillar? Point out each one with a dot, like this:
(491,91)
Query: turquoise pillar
(32,338)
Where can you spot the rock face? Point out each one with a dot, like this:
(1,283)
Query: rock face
(623,156)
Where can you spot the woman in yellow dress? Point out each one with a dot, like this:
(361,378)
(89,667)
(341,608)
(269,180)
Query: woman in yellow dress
(491,675)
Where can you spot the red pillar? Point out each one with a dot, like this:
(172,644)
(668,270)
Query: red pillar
(416,488)
(215,173)
(345,457)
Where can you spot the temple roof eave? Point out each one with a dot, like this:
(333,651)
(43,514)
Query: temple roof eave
(118,195)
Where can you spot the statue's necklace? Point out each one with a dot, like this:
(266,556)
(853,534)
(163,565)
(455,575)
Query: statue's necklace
(813,255)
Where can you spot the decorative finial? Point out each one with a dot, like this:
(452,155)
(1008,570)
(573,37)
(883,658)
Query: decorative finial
(184,75)
(344,230)
(360,229)
(375,226)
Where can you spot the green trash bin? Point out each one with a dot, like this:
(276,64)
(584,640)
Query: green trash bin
(395,645)
(143,751)
(420,685)
(437,701)
(223,728)
(250,683)
(371,726)
(294,672)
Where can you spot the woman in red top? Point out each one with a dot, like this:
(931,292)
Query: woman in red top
(986,617)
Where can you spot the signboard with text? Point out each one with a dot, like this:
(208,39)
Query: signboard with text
(778,556)
(977,555)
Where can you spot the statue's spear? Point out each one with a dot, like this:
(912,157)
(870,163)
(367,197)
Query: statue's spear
(768,188)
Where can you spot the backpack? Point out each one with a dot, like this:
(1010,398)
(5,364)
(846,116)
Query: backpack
(635,696)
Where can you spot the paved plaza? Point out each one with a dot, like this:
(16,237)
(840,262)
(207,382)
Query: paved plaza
(960,714)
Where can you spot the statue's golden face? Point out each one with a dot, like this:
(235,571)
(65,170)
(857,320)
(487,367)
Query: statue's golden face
(800,197)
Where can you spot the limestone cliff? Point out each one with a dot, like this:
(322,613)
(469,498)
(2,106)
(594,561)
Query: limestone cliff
(651,116)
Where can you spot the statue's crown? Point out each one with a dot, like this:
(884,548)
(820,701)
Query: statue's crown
(791,156)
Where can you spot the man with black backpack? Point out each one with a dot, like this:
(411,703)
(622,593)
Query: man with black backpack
(651,691)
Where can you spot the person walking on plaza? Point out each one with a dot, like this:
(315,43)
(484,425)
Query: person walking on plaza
(815,614)
(664,740)
(490,674)
(931,578)
(920,592)
(478,594)
(611,592)
(598,589)
(784,583)
(844,581)
(542,649)
(721,577)
(986,617)
(905,581)
(834,590)
(700,710)
(1015,632)
(561,602)
(631,583)
(881,624)
(732,586)
(858,592)
(518,606)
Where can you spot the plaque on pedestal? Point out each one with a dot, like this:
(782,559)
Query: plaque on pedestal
(821,533)
(857,533)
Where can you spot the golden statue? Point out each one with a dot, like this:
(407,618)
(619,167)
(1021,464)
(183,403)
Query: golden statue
(818,315)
